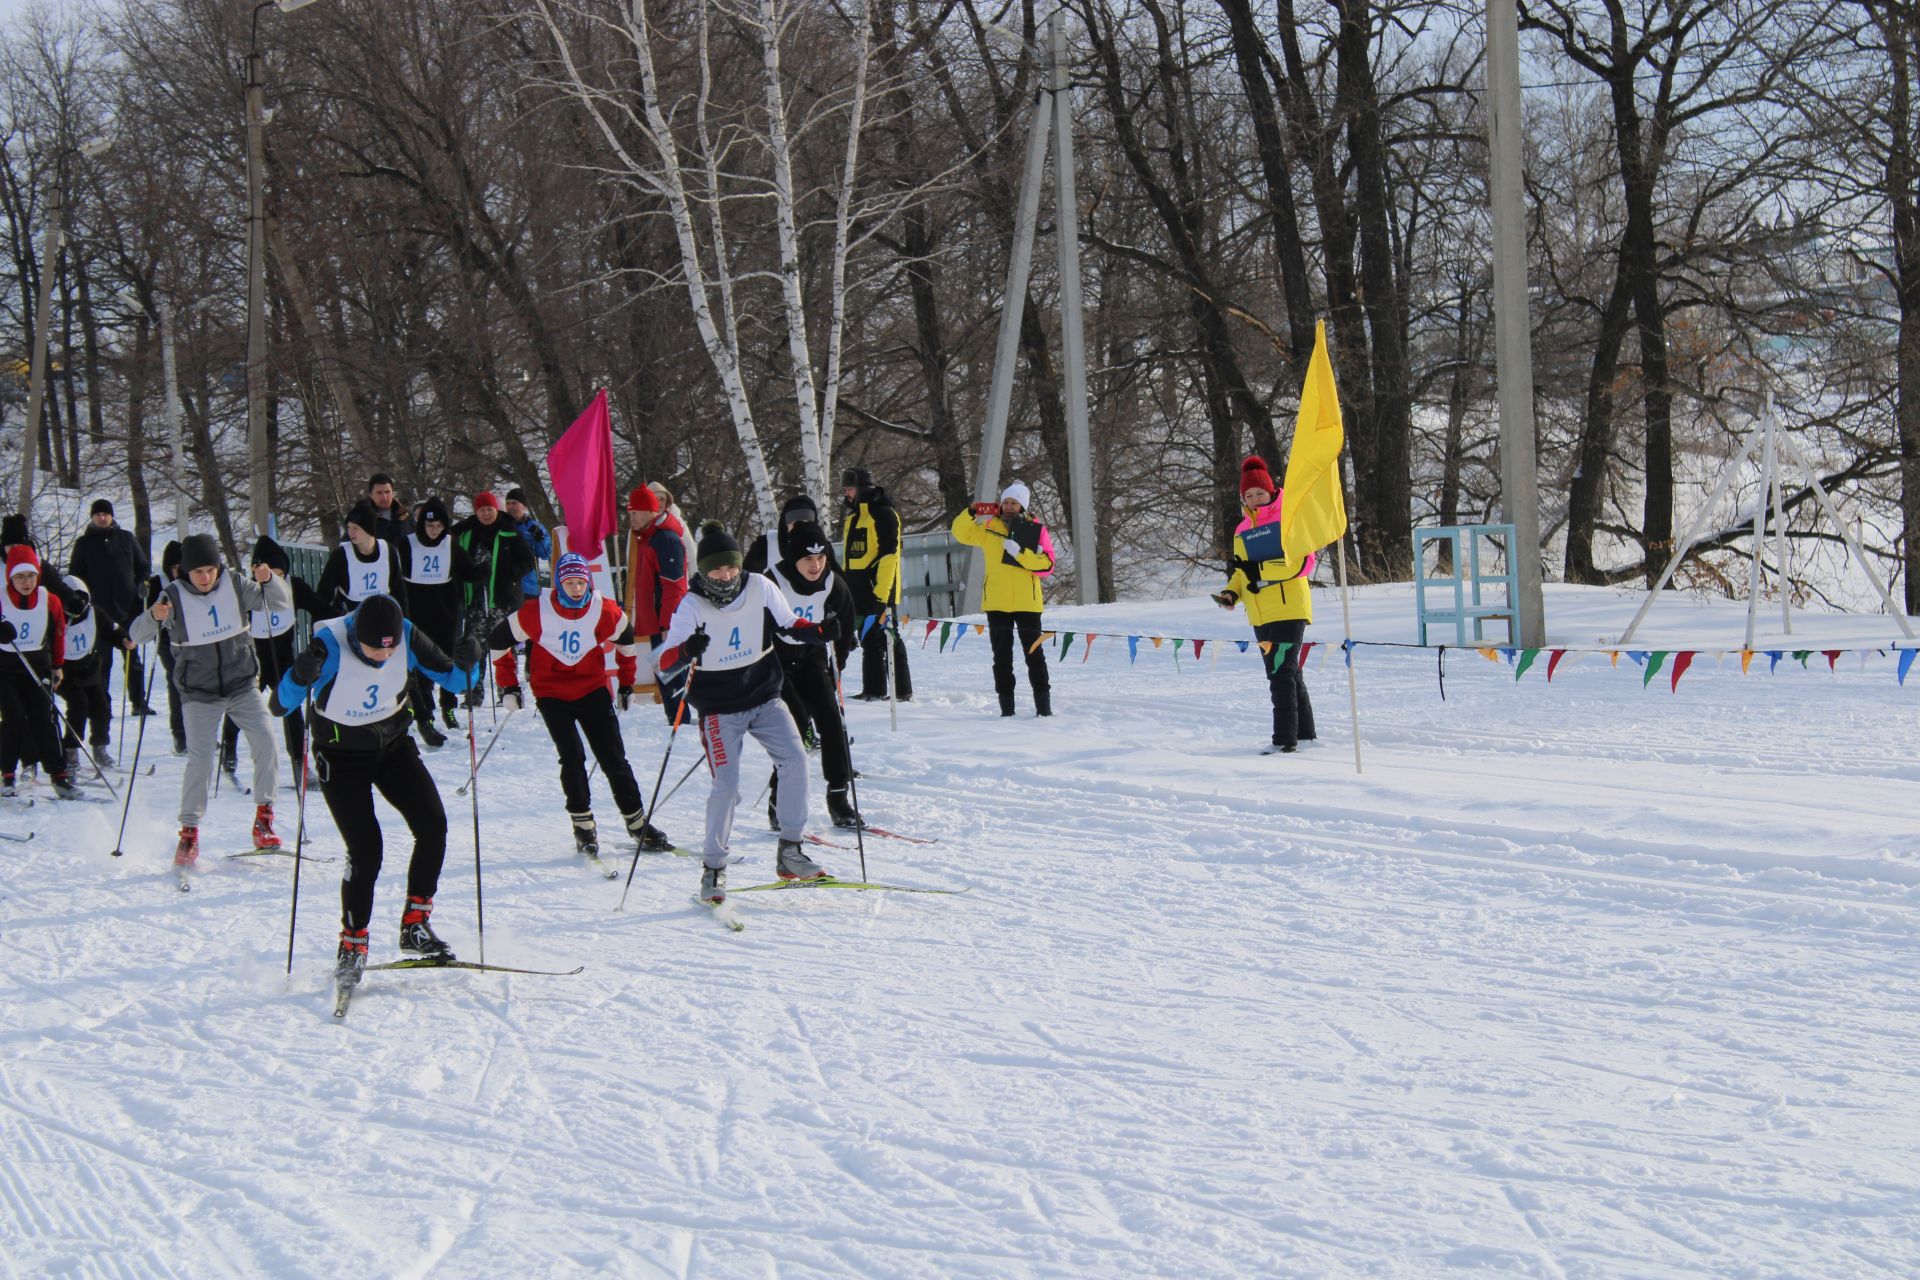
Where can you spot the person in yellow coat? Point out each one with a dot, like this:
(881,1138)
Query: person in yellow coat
(870,562)
(1279,600)
(1019,553)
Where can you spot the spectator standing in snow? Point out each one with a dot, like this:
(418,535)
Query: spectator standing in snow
(870,557)
(534,534)
(1279,602)
(115,567)
(656,584)
(1019,552)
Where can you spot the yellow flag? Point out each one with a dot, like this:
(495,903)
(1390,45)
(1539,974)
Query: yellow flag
(1314,513)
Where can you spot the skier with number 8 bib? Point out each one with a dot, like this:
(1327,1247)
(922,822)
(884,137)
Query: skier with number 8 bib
(568,630)
(359,669)
(727,625)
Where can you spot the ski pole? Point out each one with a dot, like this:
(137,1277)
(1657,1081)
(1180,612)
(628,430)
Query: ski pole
(133,773)
(463,788)
(300,829)
(853,783)
(683,780)
(126,690)
(479,899)
(888,635)
(60,714)
(653,805)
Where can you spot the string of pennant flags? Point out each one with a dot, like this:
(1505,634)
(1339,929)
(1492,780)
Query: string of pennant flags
(1650,662)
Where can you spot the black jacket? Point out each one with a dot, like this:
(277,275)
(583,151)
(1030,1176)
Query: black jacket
(836,615)
(332,592)
(501,558)
(115,567)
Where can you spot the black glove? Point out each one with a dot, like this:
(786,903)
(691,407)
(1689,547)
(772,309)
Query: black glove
(469,653)
(696,644)
(306,667)
(481,557)
(806,632)
(626,696)
(7,631)
(1225,599)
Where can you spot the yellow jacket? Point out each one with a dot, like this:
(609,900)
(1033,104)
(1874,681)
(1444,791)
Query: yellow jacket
(870,552)
(1013,579)
(1277,590)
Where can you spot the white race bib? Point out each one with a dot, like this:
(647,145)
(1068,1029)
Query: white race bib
(212,617)
(568,639)
(81,635)
(361,692)
(430,566)
(811,607)
(737,634)
(29,623)
(269,622)
(365,580)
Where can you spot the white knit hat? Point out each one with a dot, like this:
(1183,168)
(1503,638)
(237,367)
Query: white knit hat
(1019,493)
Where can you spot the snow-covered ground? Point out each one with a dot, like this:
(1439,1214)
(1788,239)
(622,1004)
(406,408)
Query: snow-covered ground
(1579,979)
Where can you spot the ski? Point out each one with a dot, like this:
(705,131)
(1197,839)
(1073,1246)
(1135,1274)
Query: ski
(723,911)
(601,865)
(341,995)
(238,785)
(180,875)
(834,882)
(872,831)
(895,835)
(18,839)
(427,963)
(277,853)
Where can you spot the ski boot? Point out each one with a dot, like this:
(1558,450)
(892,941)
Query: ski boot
(430,734)
(793,864)
(650,838)
(448,717)
(840,808)
(73,759)
(187,852)
(351,960)
(586,835)
(63,788)
(713,885)
(8,787)
(810,737)
(417,936)
(103,756)
(263,836)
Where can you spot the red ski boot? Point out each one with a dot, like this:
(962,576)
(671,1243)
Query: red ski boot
(187,852)
(263,837)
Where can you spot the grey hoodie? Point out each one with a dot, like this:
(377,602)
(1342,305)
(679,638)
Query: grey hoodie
(211,672)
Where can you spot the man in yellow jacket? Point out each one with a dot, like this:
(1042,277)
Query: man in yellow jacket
(1019,553)
(870,561)
(1279,602)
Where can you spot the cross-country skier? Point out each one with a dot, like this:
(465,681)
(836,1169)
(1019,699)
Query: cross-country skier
(83,680)
(273,645)
(358,670)
(363,565)
(818,595)
(727,625)
(438,569)
(568,630)
(33,629)
(215,675)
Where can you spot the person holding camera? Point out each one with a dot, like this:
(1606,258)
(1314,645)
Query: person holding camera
(1019,551)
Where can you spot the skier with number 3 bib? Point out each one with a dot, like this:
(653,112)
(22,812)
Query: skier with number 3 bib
(358,670)
(568,630)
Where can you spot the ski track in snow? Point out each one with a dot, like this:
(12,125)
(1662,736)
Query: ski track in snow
(1574,980)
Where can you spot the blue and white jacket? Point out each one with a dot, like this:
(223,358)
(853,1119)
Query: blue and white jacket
(361,707)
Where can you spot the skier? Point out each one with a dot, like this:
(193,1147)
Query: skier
(216,675)
(362,566)
(656,584)
(765,551)
(1019,553)
(272,631)
(567,630)
(170,572)
(738,693)
(83,680)
(816,594)
(501,561)
(870,542)
(357,670)
(1279,602)
(438,569)
(33,626)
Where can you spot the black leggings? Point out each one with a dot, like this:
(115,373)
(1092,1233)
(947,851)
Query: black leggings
(594,717)
(873,662)
(27,720)
(1292,709)
(348,781)
(1001,625)
(88,710)
(810,684)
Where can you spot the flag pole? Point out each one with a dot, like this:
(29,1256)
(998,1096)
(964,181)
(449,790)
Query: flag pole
(1346,650)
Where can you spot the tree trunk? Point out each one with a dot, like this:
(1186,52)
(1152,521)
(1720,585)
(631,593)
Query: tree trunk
(1903,191)
(137,429)
(1586,495)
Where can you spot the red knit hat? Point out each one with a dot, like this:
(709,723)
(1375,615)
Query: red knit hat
(486,498)
(21,556)
(1254,475)
(643,499)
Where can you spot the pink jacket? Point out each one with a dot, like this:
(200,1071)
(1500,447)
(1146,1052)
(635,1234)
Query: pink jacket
(1270,514)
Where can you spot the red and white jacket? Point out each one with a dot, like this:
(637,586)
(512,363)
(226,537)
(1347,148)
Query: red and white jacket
(566,646)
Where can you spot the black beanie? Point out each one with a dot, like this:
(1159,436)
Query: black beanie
(856,478)
(804,539)
(363,514)
(799,507)
(101,504)
(271,554)
(517,494)
(377,624)
(13,531)
(716,548)
(199,551)
(170,558)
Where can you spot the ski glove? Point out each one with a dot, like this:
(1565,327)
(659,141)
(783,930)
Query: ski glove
(626,696)
(469,653)
(510,699)
(806,631)
(1013,548)
(1225,599)
(696,644)
(307,667)
(7,631)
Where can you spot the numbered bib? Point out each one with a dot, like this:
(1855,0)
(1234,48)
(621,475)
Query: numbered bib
(210,618)
(430,566)
(365,580)
(362,693)
(568,639)
(29,621)
(739,631)
(811,607)
(81,635)
(268,623)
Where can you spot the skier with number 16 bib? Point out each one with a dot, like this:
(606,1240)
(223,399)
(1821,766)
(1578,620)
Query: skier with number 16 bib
(358,669)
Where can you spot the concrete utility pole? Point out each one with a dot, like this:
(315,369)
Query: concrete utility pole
(1512,326)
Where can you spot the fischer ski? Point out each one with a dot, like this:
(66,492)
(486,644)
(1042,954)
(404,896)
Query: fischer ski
(834,882)
(601,865)
(723,911)
(426,963)
(341,997)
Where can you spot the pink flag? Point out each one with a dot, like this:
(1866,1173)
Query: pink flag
(581,465)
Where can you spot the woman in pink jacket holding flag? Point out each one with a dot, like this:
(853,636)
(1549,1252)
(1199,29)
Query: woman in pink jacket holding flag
(1279,600)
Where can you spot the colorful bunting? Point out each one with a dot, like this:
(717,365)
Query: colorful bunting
(1746,660)
(1198,645)
(1306,650)
(931,624)
(945,629)
(1489,653)
(1133,649)
(1066,642)
(1527,657)
(1242,644)
(1088,651)
(1906,662)
(1681,661)
(1655,660)
(1833,656)
(1280,651)
(1553,660)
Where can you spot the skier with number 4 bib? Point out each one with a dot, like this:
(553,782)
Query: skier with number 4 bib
(726,625)
(358,669)
(568,630)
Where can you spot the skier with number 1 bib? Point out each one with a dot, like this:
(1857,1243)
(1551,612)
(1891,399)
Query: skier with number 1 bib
(727,625)
(358,670)
(567,630)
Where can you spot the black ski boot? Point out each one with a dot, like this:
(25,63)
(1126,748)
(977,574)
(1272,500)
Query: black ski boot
(840,808)
(713,885)
(351,960)
(430,734)
(793,864)
(447,715)
(63,788)
(650,838)
(586,835)
(417,936)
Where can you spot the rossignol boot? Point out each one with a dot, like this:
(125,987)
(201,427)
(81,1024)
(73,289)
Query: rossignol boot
(417,936)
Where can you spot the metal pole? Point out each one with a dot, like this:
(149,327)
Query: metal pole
(37,374)
(258,453)
(172,373)
(1513,337)
(1073,341)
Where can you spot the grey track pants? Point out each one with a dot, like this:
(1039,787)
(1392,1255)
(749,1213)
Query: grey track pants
(203,716)
(771,725)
